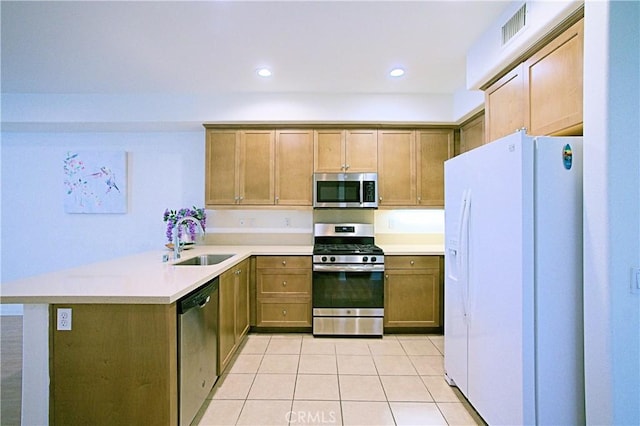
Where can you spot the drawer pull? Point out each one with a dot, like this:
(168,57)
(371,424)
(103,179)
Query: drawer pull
(284,283)
(412,263)
(284,262)
(284,312)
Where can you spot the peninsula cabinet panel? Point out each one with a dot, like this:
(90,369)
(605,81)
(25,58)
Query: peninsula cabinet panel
(117,366)
(434,148)
(554,85)
(294,167)
(504,105)
(337,151)
(396,168)
(412,292)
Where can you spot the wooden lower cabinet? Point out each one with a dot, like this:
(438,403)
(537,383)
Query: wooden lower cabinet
(233,312)
(413,289)
(283,291)
(284,313)
(116,366)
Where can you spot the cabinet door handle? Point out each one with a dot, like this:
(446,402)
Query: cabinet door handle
(347,167)
(284,312)
(386,276)
(380,198)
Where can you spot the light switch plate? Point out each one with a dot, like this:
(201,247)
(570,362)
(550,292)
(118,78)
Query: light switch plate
(635,280)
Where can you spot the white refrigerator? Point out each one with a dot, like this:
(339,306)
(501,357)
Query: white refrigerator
(513,326)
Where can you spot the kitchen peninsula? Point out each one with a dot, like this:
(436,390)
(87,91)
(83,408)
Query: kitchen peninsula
(128,305)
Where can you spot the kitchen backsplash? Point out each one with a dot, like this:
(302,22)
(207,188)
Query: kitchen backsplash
(295,227)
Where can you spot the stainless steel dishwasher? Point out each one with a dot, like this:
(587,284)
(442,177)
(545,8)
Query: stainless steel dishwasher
(197,348)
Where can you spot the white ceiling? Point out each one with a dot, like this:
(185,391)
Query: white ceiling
(216,46)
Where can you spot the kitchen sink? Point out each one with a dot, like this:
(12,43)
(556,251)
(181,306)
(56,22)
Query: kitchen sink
(205,259)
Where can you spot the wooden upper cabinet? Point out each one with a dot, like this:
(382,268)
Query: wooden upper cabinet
(544,94)
(434,147)
(239,167)
(411,166)
(396,168)
(329,151)
(294,167)
(554,85)
(337,151)
(504,105)
(361,151)
(472,134)
(221,177)
(256,179)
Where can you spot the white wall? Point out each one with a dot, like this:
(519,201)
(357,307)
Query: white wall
(146,112)
(487,57)
(165,170)
(612,211)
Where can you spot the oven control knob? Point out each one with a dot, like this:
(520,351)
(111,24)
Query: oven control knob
(373,259)
(324,258)
(333,259)
(364,259)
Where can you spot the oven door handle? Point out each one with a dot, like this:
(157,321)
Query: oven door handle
(349,268)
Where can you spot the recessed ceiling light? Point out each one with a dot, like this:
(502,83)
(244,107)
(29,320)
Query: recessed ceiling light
(264,72)
(396,72)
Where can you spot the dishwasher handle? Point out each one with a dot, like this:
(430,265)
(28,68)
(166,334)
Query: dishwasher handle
(198,298)
(204,302)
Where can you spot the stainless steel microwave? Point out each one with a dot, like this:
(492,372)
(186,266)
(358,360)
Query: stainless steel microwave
(345,190)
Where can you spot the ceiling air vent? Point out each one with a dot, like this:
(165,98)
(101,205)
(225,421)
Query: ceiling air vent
(514,24)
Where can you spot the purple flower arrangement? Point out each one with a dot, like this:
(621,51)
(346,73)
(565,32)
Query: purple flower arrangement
(173,216)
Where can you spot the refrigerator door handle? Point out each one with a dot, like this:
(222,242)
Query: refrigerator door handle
(463,255)
(458,251)
(453,271)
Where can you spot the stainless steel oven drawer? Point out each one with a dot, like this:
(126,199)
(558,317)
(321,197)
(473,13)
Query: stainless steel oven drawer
(348,326)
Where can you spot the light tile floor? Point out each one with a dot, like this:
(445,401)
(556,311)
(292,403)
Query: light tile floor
(296,379)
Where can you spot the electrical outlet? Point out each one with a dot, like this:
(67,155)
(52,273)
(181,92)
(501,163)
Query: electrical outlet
(287,222)
(64,319)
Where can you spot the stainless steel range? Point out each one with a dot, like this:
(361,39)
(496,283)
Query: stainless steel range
(348,280)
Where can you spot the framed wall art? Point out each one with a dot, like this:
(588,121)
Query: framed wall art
(95,182)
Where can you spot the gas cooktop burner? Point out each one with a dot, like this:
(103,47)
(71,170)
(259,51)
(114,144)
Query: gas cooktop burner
(346,249)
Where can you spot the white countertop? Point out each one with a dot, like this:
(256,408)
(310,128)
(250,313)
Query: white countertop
(145,279)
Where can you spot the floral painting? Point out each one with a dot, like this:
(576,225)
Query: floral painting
(95,182)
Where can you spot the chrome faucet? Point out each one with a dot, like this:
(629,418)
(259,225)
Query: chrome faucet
(176,240)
